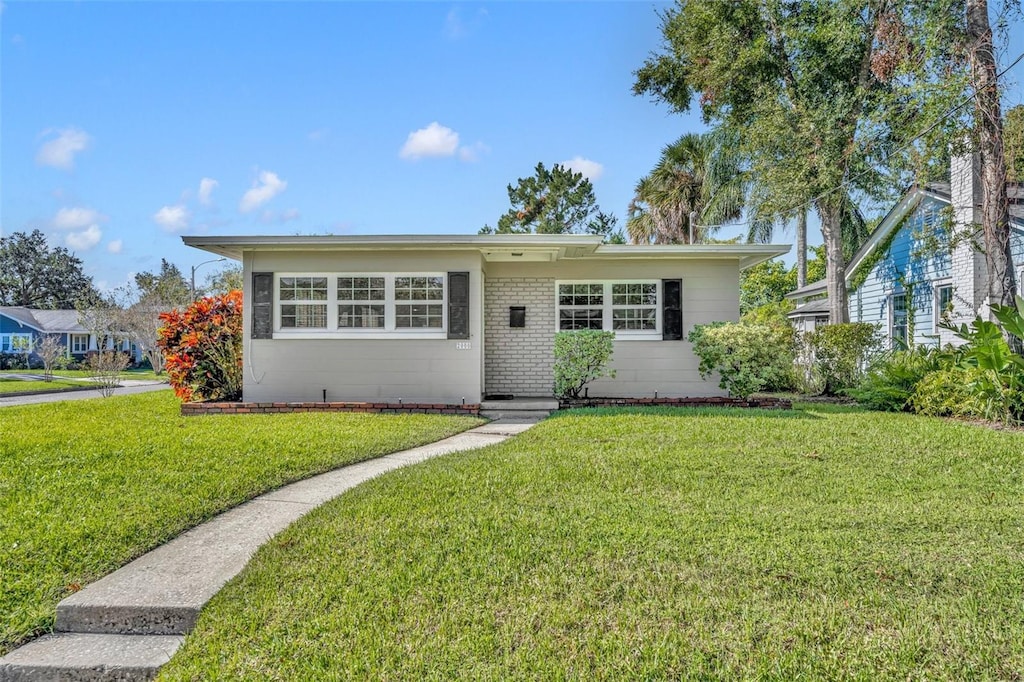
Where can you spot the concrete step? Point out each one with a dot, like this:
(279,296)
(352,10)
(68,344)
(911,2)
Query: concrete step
(87,657)
(521,404)
(515,415)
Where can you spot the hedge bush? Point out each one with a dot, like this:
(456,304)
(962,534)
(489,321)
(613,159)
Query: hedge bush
(748,357)
(842,353)
(580,357)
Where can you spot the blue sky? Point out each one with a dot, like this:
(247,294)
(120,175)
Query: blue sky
(126,125)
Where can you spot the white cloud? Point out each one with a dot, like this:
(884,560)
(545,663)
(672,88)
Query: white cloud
(76,218)
(456,27)
(268,217)
(206,187)
(592,170)
(172,218)
(265,188)
(115,246)
(318,135)
(86,239)
(60,151)
(434,140)
(471,154)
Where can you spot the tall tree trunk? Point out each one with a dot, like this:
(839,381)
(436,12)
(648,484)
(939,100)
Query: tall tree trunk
(801,248)
(995,217)
(830,212)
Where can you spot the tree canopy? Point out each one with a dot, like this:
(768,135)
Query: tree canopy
(817,92)
(555,201)
(35,275)
(698,174)
(168,285)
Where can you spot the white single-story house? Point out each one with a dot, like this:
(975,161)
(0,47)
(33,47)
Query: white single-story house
(922,264)
(23,329)
(452,319)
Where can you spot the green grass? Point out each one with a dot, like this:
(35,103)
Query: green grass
(85,486)
(829,543)
(19,386)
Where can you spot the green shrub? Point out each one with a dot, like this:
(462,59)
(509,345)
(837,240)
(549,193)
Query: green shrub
(747,357)
(999,383)
(948,392)
(580,357)
(894,377)
(842,352)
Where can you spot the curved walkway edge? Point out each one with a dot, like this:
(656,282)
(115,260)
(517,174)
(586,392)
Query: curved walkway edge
(129,623)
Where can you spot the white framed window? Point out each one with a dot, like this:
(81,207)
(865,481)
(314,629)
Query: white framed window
(361,302)
(419,302)
(630,308)
(942,303)
(360,305)
(15,343)
(303,301)
(898,320)
(79,343)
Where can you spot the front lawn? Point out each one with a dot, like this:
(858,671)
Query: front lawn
(85,486)
(821,544)
(136,374)
(22,386)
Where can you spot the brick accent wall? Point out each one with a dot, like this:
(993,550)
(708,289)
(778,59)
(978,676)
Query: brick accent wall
(760,403)
(519,361)
(195,409)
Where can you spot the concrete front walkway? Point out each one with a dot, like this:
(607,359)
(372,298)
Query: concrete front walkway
(128,624)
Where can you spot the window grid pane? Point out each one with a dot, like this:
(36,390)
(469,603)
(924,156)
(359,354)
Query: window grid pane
(634,319)
(304,316)
(580,318)
(899,317)
(359,316)
(419,316)
(360,288)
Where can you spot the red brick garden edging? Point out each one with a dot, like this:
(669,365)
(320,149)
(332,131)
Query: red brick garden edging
(194,409)
(762,403)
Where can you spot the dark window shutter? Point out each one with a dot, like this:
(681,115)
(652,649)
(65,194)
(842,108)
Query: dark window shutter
(671,309)
(262,305)
(458,305)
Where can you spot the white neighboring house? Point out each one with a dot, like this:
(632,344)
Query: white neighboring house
(22,329)
(452,318)
(912,273)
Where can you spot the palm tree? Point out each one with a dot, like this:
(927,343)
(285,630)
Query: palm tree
(697,175)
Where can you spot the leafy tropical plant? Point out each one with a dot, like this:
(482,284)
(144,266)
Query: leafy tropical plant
(202,347)
(893,379)
(580,357)
(999,381)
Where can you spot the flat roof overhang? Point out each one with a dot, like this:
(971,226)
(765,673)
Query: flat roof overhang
(494,248)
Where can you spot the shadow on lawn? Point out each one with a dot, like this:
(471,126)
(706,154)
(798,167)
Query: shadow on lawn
(672,411)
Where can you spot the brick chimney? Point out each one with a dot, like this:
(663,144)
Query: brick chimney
(967,262)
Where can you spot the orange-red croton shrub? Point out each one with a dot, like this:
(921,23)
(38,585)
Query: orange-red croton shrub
(202,348)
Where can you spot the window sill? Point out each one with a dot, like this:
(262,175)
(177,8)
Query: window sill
(368,335)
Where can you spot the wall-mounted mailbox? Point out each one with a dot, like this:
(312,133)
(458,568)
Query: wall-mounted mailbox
(517,316)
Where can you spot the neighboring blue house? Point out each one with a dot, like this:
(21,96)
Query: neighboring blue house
(911,273)
(21,329)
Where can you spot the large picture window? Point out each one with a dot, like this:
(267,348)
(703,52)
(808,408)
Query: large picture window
(629,308)
(360,304)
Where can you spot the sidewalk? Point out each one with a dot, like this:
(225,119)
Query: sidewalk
(128,624)
(128,386)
